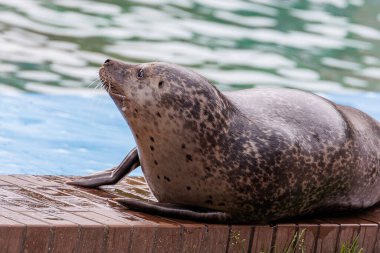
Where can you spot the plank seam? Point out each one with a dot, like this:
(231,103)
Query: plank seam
(105,238)
(338,237)
(252,233)
(316,239)
(228,238)
(80,237)
(23,238)
(51,239)
(273,240)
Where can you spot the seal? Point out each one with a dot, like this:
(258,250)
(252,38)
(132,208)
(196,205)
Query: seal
(249,156)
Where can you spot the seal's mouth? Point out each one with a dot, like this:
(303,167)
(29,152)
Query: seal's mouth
(108,83)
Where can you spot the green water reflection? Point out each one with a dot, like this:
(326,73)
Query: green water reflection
(317,45)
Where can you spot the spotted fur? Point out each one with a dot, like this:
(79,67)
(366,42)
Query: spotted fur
(259,155)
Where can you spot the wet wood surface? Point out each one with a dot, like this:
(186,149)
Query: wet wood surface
(43,214)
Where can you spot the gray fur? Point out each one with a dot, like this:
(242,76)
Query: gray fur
(258,155)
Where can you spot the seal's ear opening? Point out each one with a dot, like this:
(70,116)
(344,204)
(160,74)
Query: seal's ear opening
(160,84)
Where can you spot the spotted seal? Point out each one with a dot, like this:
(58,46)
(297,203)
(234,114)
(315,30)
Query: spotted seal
(249,156)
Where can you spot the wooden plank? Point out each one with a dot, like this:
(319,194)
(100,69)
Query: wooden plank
(73,219)
(100,218)
(377,244)
(91,233)
(262,239)
(122,216)
(190,238)
(65,239)
(37,238)
(98,205)
(328,236)
(16,181)
(75,204)
(215,239)
(49,218)
(38,235)
(119,239)
(165,233)
(310,233)
(32,197)
(348,230)
(11,234)
(65,234)
(367,237)
(166,239)
(192,233)
(352,227)
(21,218)
(94,195)
(239,239)
(91,239)
(142,239)
(4,183)
(348,233)
(151,219)
(36,180)
(76,219)
(370,241)
(284,236)
(15,200)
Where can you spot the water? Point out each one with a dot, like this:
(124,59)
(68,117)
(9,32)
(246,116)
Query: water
(77,135)
(50,52)
(62,135)
(315,45)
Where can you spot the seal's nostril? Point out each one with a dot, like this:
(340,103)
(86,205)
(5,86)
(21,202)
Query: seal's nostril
(108,60)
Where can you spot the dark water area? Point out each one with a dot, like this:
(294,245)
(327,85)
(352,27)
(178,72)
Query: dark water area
(316,45)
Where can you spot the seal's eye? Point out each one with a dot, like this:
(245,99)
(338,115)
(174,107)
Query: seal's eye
(140,73)
(160,84)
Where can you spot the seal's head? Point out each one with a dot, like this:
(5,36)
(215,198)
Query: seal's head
(160,89)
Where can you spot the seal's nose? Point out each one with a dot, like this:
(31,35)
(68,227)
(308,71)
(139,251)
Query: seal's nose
(108,60)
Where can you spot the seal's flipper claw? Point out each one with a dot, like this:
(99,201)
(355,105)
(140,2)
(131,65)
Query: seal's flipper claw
(112,176)
(175,211)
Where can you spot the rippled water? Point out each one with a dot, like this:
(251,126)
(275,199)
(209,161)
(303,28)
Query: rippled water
(317,45)
(48,134)
(56,47)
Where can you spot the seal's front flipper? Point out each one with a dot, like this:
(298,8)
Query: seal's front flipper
(112,176)
(175,211)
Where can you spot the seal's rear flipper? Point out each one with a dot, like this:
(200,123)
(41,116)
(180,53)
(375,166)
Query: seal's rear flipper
(112,176)
(175,211)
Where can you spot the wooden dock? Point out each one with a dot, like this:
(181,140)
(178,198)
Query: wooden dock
(43,214)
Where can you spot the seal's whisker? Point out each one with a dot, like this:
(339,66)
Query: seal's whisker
(99,85)
(104,87)
(99,100)
(93,82)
